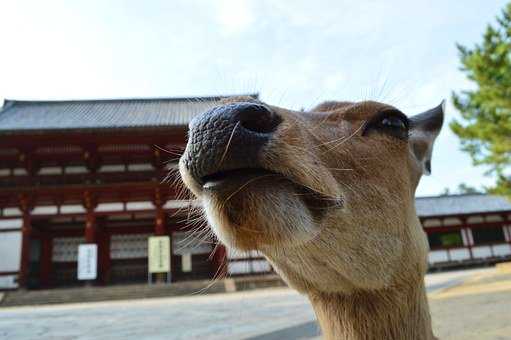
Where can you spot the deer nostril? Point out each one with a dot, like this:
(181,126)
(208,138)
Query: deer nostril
(258,118)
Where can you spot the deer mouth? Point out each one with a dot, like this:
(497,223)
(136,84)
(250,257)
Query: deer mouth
(224,179)
(236,181)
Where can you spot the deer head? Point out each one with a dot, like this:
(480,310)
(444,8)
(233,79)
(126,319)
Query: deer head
(327,195)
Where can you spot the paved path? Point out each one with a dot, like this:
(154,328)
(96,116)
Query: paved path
(277,313)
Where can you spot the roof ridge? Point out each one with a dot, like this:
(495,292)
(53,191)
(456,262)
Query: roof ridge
(10,102)
(62,115)
(457,195)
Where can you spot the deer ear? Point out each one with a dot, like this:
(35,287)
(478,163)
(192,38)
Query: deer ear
(424,128)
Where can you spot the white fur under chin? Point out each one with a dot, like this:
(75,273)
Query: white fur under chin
(217,222)
(287,220)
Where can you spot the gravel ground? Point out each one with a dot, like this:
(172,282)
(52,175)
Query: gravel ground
(465,305)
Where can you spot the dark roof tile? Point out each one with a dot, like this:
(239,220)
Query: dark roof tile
(461,205)
(26,116)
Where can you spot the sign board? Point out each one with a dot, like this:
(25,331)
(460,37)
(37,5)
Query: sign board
(186,263)
(87,261)
(158,252)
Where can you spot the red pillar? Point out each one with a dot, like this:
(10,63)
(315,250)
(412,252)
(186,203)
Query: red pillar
(104,257)
(220,261)
(46,261)
(160,225)
(26,231)
(90,231)
(90,227)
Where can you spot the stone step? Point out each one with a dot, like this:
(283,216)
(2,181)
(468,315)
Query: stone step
(135,291)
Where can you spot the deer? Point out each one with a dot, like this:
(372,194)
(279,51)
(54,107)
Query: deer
(327,196)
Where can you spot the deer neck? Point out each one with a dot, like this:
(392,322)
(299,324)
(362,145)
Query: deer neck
(399,313)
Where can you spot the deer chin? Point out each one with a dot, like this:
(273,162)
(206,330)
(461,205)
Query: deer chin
(265,212)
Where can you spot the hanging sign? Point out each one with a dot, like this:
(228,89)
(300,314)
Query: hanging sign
(159,254)
(87,261)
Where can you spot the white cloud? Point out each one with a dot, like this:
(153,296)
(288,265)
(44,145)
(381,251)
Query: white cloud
(234,16)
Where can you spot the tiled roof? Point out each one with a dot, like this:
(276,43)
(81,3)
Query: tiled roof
(27,116)
(461,204)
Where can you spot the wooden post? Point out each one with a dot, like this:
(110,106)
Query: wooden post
(26,232)
(46,261)
(160,225)
(90,227)
(159,201)
(104,257)
(90,218)
(90,223)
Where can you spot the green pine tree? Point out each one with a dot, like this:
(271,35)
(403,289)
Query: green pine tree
(485,127)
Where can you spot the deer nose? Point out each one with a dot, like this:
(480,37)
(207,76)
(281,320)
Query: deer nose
(228,137)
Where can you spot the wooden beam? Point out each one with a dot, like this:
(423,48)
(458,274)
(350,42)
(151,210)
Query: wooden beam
(143,135)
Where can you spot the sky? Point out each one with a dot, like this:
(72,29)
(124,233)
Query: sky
(293,53)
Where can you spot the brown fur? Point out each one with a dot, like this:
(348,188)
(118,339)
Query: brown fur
(361,260)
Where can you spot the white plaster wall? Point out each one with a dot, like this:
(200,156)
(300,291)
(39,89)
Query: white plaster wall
(110,207)
(19,172)
(45,210)
(75,170)
(502,250)
(50,170)
(481,252)
(176,204)
(8,282)
(435,256)
(245,267)
(112,168)
(459,254)
(139,206)
(261,266)
(240,267)
(10,251)
(72,209)
(12,212)
(11,223)
(140,167)
(452,221)
(493,218)
(432,222)
(475,219)
(236,254)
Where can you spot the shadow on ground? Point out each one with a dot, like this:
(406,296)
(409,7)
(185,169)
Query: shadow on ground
(302,331)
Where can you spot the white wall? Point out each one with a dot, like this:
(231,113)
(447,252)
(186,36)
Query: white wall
(10,252)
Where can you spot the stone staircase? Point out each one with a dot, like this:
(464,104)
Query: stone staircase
(134,291)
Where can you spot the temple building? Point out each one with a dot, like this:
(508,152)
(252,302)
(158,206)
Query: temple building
(466,229)
(93,172)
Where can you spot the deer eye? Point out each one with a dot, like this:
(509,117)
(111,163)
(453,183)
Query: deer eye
(391,122)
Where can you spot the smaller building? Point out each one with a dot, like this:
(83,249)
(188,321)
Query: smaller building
(466,229)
